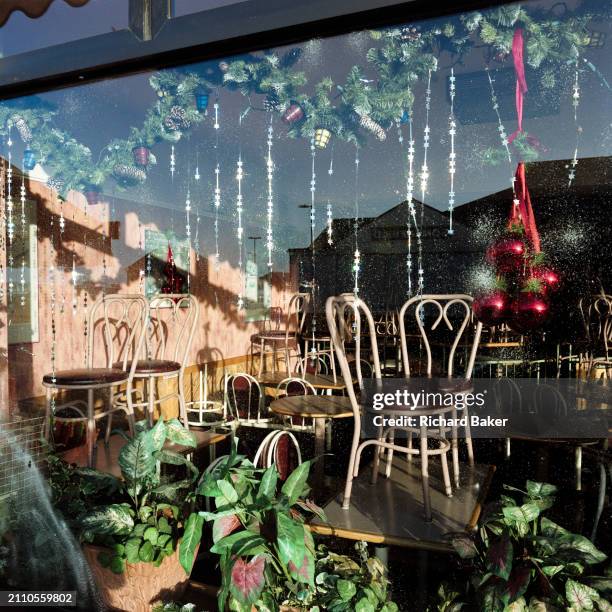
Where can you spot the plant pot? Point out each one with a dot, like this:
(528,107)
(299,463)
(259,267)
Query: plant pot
(141,584)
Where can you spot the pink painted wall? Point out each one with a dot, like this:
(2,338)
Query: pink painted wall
(222,331)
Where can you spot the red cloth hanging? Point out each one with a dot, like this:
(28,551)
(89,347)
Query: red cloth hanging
(522,213)
(521,82)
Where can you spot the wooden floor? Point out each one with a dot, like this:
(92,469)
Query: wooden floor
(106,456)
(391,511)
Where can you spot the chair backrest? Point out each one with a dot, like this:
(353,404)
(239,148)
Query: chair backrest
(297,309)
(596,313)
(244,396)
(312,364)
(336,311)
(294,385)
(442,305)
(120,321)
(172,322)
(278,447)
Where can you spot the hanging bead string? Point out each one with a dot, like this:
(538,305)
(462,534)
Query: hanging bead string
(452,130)
(52,254)
(330,212)
(357,254)
(424,176)
(270,168)
(24,242)
(411,217)
(502,135)
(217,199)
(313,286)
(62,227)
(239,209)
(188,233)
(575,104)
(196,178)
(172,162)
(10,226)
(2,230)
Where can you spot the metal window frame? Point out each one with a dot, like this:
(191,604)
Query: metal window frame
(225,31)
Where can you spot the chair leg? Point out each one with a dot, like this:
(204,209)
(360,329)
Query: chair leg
(425,474)
(182,402)
(377,452)
(109,426)
(578,467)
(287,360)
(346,500)
(447,483)
(261,357)
(151,400)
(468,438)
(91,428)
(130,409)
(409,455)
(390,454)
(455,451)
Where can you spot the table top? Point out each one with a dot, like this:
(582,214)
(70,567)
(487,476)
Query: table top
(313,406)
(318,381)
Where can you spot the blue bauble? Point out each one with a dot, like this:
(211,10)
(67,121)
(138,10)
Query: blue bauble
(405,118)
(201,98)
(29,159)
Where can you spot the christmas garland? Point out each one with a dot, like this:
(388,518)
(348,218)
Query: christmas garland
(352,111)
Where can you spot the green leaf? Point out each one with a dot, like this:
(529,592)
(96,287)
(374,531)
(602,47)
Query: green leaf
(290,539)
(540,489)
(227,491)
(132,546)
(580,596)
(157,435)
(499,558)
(267,487)
(346,589)
(295,484)
(364,605)
(137,463)
(174,509)
(117,565)
(171,490)
(146,552)
(115,519)
(235,541)
(163,526)
(151,534)
(464,546)
(138,530)
(190,542)
(177,434)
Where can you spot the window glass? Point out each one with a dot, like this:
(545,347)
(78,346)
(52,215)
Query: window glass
(349,140)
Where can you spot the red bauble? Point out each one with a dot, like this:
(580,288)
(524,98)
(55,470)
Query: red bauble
(507,254)
(141,155)
(492,308)
(529,311)
(549,278)
(293,113)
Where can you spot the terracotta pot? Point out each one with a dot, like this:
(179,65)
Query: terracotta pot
(141,584)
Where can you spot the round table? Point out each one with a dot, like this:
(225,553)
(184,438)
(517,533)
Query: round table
(316,407)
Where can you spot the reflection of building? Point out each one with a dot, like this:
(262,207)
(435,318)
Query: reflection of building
(383,247)
(572,222)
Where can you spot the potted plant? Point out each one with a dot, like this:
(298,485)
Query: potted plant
(520,560)
(143,542)
(267,554)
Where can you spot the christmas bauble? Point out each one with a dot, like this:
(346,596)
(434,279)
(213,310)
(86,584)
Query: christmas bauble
(547,277)
(321,137)
(293,113)
(507,254)
(201,100)
(141,155)
(405,118)
(492,308)
(129,173)
(29,159)
(92,195)
(271,102)
(529,311)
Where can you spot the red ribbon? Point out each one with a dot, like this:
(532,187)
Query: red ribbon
(522,213)
(521,83)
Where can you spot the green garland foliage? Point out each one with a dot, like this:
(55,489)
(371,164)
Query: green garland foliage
(371,98)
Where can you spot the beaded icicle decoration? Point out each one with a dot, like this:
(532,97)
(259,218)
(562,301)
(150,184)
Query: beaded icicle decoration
(575,103)
(217,195)
(452,130)
(356,254)
(270,203)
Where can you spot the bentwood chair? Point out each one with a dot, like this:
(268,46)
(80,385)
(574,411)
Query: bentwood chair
(336,309)
(448,309)
(284,341)
(171,326)
(245,399)
(118,325)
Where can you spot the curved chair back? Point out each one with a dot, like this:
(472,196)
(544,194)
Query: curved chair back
(597,318)
(294,385)
(244,397)
(339,309)
(173,318)
(312,365)
(121,321)
(297,310)
(442,305)
(275,448)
